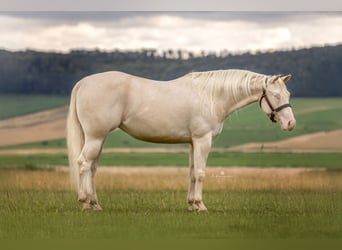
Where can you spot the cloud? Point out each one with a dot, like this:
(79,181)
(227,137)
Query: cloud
(193,31)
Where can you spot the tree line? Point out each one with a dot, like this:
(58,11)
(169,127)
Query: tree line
(317,72)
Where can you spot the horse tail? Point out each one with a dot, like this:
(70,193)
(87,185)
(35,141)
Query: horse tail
(75,138)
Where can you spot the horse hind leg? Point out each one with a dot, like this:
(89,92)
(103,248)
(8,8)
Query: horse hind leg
(87,165)
(94,201)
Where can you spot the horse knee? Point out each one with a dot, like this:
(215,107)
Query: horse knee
(200,175)
(86,163)
(84,166)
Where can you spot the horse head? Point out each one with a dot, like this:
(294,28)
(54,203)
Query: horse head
(275,101)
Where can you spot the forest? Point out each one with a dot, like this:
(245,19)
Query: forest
(317,71)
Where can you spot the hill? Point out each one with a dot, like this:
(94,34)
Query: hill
(316,71)
(36,127)
(248,125)
(316,142)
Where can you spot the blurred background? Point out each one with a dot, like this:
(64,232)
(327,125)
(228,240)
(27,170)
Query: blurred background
(43,54)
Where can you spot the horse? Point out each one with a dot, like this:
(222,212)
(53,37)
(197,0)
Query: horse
(190,109)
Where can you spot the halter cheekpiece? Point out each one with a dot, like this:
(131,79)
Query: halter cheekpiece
(274,110)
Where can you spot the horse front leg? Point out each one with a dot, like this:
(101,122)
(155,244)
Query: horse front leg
(200,150)
(192,181)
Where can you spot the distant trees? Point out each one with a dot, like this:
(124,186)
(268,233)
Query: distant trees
(317,72)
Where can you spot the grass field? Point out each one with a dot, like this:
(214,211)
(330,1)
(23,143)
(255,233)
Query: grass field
(245,208)
(326,160)
(163,214)
(15,105)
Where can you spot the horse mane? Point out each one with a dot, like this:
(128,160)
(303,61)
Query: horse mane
(232,84)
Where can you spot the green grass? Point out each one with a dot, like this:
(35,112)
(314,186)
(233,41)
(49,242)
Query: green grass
(60,143)
(162,214)
(327,160)
(15,105)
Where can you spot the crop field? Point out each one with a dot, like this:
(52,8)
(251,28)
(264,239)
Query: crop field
(15,105)
(246,125)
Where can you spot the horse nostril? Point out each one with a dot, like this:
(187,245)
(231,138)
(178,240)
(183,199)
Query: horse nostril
(291,124)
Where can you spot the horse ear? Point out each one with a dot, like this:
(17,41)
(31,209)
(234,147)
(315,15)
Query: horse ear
(275,78)
(286,78)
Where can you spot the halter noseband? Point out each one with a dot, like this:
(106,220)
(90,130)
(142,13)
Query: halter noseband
(274,110)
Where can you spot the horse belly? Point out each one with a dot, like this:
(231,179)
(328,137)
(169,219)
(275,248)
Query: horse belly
(156,112)
(157,130)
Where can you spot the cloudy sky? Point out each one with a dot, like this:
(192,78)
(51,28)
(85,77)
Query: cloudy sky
(192,31)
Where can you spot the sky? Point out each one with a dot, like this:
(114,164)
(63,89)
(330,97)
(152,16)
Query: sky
(234,32)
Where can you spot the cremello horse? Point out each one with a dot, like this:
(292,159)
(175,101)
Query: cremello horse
(190,109)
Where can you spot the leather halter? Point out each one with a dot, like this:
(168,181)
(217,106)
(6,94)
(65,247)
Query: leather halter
(274,110)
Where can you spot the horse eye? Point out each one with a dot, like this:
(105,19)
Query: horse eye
(276,95)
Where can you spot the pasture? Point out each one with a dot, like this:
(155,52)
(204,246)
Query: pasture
(280,195)
(151,204)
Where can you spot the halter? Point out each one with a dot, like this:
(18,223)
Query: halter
(274,110)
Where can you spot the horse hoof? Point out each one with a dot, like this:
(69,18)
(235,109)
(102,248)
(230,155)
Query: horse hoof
(193,207)
(86,207)
(97,207)
(202,209)
(201,206)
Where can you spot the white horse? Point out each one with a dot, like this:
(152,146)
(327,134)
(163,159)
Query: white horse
(190,109)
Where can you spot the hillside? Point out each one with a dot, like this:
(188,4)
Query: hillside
(42,127)
(36,127)
(316,71)
(316,142)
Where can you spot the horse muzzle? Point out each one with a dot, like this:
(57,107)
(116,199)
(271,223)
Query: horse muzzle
(288,125)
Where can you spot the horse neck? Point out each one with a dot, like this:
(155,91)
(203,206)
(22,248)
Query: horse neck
(227,106)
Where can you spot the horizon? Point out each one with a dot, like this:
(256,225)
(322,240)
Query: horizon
(202,53)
